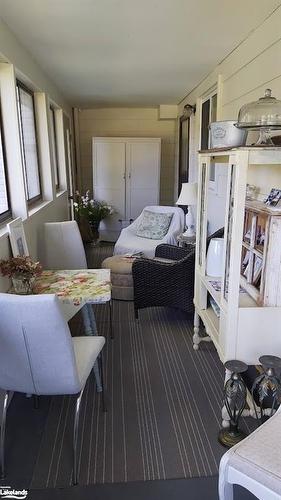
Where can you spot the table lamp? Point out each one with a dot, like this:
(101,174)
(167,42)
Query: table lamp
(188,197)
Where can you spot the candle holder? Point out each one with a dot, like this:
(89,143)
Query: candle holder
(234,400)
(267,387)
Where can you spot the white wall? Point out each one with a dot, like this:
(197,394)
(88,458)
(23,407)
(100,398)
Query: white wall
(12,51)
(129,122)
(241,78)
(57,209)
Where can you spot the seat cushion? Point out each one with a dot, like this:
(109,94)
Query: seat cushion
(118,264)
(121,276)
(154,225)
(259,456)
(86,350)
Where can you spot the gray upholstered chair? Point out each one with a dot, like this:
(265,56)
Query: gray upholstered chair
(64,249)
(38,355)
(254,463)
(63,246)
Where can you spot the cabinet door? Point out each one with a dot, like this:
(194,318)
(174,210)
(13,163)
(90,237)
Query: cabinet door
(142,164)
(109,180)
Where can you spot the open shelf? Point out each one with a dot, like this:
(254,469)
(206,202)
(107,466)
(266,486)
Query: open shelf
(206,280)
(245,300)
(211,322)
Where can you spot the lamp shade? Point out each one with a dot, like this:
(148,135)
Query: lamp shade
(188,194)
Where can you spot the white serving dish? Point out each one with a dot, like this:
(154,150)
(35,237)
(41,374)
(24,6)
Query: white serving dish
(224,134)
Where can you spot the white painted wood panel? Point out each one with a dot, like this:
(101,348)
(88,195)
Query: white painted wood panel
(143,169)
(109,180)
(261,38)
(258,333)
(129,122)
(260,72)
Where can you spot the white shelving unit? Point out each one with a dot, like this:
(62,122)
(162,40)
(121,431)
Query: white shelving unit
(244,330)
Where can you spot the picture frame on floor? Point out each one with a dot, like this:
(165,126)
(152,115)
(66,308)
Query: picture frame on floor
(17,238)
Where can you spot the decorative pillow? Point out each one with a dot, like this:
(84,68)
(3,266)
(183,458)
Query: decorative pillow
(154,225)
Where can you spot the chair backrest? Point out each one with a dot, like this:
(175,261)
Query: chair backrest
(63,246)
(36,354)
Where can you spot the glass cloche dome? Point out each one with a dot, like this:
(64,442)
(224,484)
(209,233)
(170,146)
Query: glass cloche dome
(263,115)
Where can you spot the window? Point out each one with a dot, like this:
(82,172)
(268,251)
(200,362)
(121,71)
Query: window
(184,139)
(28,143)
(54,147)
(208,115)
(4,195)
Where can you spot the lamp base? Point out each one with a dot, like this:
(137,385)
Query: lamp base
(230,437)
(189,224)
(189,233)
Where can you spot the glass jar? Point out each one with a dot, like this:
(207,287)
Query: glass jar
(23,285)
(263,115)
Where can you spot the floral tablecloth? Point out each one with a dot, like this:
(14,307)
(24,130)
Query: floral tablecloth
(76,287)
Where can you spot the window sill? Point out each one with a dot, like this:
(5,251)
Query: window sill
(3,229)
(61,192)
(38,206)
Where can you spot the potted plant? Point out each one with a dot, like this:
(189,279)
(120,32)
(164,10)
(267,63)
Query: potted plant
(22,270)
(92,212)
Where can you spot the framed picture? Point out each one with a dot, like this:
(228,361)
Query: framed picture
(274,198)
(17,238)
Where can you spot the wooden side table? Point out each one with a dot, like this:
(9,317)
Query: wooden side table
(186,240)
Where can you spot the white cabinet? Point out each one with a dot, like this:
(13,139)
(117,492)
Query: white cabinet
(126,174)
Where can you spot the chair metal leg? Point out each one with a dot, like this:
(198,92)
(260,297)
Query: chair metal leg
(92,319)
(36,402)
(100,361)
(87,320)
(75,436)
(136,313)
(3,432)
(110,319)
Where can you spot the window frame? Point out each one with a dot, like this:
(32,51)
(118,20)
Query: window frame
(213,96)
(4,216)
(34,199)
(55,148)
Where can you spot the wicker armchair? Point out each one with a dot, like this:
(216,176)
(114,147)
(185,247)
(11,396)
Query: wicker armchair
(158,283)
(168,284)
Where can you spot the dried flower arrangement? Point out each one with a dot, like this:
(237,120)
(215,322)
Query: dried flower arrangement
(21,266)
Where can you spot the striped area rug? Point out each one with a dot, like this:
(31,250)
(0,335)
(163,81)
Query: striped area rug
(163,402)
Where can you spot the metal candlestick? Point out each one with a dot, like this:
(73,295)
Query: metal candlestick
(234,400)
(267,385)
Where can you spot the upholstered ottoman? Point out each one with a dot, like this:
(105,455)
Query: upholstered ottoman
(121,276)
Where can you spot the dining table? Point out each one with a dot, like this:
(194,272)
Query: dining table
(78,289)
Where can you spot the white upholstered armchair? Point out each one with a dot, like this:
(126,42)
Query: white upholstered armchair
(128,241)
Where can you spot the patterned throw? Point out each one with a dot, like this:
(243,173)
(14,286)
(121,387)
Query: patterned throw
(154,225)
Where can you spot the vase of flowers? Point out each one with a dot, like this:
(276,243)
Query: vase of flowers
(23,271)
(89,214)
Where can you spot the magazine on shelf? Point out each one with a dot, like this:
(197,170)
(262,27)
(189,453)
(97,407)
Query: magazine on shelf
(217,286)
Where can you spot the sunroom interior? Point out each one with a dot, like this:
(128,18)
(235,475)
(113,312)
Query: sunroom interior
(175,294)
